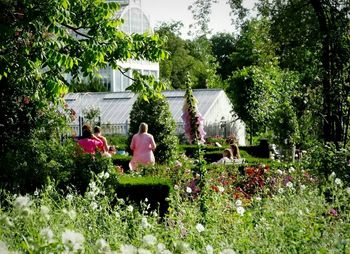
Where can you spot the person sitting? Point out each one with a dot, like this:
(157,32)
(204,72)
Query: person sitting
(98,134)
(142,146)
(226,157)
(235,151)
(89,142)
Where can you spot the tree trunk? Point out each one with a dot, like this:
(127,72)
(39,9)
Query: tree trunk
(329,118)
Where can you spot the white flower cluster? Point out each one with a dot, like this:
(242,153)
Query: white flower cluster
(22,204)
(200,228)
(73,241)
(239,208)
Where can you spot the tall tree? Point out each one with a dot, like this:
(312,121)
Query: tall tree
(187,56)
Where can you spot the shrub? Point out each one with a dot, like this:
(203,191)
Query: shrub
(161,125)
(137,189)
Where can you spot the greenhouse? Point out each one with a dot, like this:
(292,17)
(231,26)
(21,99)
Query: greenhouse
(115,108)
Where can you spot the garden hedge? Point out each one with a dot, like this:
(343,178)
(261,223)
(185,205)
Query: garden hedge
(137,189)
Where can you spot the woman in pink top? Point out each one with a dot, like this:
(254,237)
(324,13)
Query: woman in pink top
(142,145)
(89,143)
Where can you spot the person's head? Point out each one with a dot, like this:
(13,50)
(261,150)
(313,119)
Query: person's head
(87,133)
(86,127)
(143,128)
(97,129)
(227,153)
(235,150)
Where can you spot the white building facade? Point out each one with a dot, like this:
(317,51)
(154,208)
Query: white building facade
(135,21)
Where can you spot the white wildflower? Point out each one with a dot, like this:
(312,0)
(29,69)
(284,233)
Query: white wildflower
(280,190)
(227,251)
(221,188)
(258,198)
(73,240)
(332,174)
(22,202)
(160,247)
(289,185)
(188,190)
(337,181)
(44,210)
(209,249)
(3,248)
(347,189)
(149,240)
(240,210)
(279,172)
(200,227)
(291,170)
(72,214)
(106,176)
(176,187)
(93,206)
(128,249)
(102,246)
(166,251)
(143,251)
(238,202)
(182,247)
(144,222)
(302,187)
(47,234)
(36,193)
(9,222)
(69,197)
(130,208)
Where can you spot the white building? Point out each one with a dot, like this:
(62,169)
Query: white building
(115,109)
(135,21)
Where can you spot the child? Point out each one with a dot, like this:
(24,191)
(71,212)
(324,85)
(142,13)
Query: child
(226,157)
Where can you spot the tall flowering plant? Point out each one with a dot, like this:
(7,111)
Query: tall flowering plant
(194,131)
(192,118)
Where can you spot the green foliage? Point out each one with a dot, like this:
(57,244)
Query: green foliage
(137,189)
(325,159)
(288,213)
(39,161)
(223,46)
(91,114)
(155,112)
(185,56)
(94,85)
(118,140)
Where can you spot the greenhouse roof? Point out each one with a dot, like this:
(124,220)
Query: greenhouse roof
(115,107)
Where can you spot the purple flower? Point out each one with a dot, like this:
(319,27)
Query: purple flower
(333,212)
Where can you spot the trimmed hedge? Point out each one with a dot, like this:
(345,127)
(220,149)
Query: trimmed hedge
(122,161)
(137,189)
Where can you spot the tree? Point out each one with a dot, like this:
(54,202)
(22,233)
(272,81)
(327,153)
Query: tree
(186,56)
(223,46)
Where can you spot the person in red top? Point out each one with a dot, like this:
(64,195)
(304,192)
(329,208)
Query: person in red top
(89,142)
(142,146)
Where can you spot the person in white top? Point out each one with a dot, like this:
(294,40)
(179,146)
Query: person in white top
(226,157)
